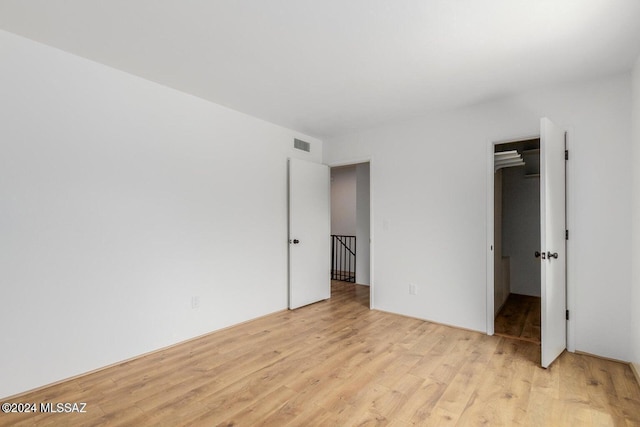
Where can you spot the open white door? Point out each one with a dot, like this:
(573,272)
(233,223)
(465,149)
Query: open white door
(553,243)
(309,233)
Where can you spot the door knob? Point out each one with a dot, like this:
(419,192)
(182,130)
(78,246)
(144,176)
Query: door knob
(552,255)
(296,241)
(537,254)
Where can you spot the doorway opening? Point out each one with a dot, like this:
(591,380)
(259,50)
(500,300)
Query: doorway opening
(551,256)
(517,279)
(351,224)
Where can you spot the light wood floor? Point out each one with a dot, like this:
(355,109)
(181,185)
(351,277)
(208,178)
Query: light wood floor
(336,363)
(519,317)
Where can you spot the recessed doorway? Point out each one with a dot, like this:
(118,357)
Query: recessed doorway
(351,223)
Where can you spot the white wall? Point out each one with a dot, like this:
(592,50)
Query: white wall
(343,200)
(363,223)
(431,230)
(521,229)
(635,300)
(120,200)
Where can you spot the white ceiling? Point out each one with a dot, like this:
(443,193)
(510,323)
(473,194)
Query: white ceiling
(325,67)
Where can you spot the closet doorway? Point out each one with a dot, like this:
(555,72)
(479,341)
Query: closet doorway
(517,291)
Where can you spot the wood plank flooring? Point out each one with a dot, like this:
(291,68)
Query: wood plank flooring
(519,318)
(336,363)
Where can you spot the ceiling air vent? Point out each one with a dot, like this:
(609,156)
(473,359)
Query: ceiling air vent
(301,145)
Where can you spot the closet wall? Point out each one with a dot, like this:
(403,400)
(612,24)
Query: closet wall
(521,225)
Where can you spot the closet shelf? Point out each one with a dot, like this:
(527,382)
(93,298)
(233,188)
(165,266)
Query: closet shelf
(507,159)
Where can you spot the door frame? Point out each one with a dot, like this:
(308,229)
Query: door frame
(490,276)
(353,162)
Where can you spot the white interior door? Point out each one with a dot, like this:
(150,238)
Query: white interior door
(553,243)
(309,233)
